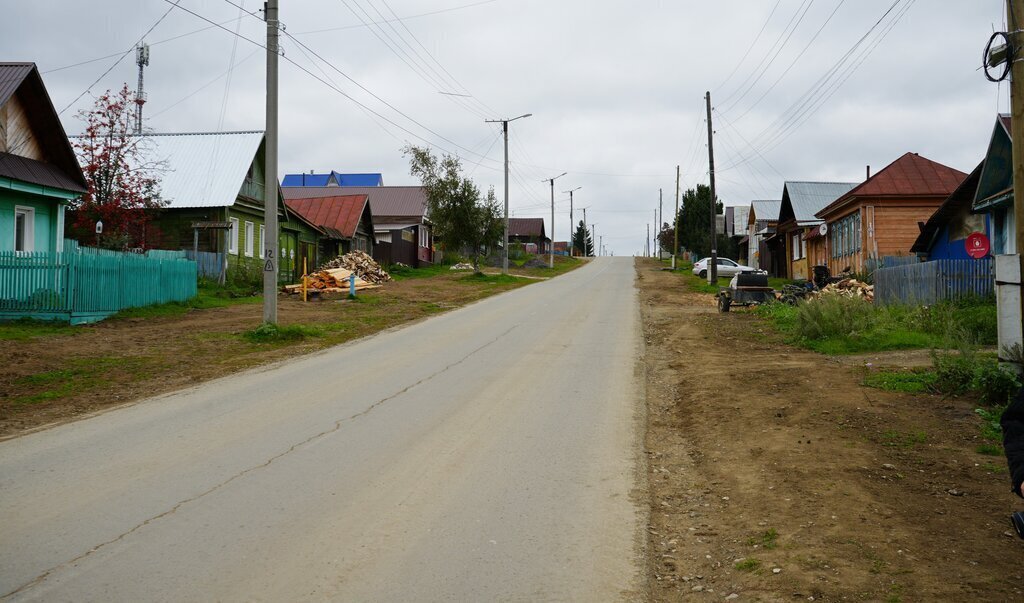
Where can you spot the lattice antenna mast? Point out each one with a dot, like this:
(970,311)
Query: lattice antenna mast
(142,60)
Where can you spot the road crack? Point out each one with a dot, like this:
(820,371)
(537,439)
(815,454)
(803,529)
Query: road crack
(338,424)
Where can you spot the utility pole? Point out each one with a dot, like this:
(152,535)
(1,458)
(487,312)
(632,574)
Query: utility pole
(654,237)
(600,245)
(572,225)
(713,268)
(675,250)
(1015,20)
(504,130)
(660,218)
(647,241)
(270,255)
(551,262)
(593,239)
(584,253)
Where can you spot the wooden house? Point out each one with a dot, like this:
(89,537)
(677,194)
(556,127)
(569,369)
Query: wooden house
(944,235)
(994,195)
(797,219)
(761,220)
(882,215)
(402,227)
(344,221)
(39,173)
(213,183)
(529,231)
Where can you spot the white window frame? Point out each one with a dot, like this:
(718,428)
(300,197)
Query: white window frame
(795,243)
(250,233)
(263,241)
(233,236)
(29,238)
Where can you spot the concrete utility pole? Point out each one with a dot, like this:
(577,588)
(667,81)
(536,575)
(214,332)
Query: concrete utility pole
(657,236)
(713,268)
(675,250)
(584,252)
(270,255)
(647,241)
(551,262)
(572,225)
(593,239)
(504,130)
(1015,20)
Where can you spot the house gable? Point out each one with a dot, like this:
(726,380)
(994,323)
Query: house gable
(996,184)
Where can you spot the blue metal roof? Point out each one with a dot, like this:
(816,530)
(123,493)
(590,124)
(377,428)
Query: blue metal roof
(333,179)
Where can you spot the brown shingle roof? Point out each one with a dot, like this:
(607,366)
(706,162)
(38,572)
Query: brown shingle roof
(61,170)
(338,216)
(526,227)
(909,176)
(398,203)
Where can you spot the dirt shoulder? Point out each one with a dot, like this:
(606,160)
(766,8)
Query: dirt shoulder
(66,373)
(774,475)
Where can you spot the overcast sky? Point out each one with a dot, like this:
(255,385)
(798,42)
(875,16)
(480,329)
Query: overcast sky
(616,88)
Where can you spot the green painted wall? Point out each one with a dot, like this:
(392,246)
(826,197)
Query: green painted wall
(46,211)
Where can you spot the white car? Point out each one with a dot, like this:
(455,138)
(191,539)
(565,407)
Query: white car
(726,268)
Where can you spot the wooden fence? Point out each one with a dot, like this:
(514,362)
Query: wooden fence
(82,285)
(930,282)
(208,263)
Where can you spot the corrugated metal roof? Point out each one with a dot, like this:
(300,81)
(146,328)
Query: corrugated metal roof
(202,169)
(333,178)
(339,216)
(387,203)
(808,198)
(766,209)
(11,77)
(526,227)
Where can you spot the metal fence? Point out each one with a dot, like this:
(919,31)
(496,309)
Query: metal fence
(890,261)
(82,285)
(930,282)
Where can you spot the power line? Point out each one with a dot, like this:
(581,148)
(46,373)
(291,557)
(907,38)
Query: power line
(436,12)
(750,48)
(123,55)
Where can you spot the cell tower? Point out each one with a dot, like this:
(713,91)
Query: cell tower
(142,60)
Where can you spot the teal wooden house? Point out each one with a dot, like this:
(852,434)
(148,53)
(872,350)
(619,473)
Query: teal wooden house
(39,174)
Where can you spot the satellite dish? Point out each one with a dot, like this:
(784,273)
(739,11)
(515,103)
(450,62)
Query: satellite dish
(823,229)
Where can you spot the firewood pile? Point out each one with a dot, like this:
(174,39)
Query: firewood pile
(362,264)
(851,287)
(334,280)
(461,266)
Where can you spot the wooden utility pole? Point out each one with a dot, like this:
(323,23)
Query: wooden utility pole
(657,236)
(1015,20)
(675,249)
(713,268)
(270,255)
(583,252)
(647,241)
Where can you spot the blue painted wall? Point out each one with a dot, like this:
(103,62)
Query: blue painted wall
(944,249)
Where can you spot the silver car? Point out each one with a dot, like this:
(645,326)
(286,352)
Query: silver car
(726,268)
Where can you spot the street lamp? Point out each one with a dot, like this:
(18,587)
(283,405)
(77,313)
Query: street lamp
(572,226)
(504,128)
(551,262)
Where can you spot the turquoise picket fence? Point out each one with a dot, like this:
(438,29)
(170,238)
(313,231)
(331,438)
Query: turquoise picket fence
(82,285)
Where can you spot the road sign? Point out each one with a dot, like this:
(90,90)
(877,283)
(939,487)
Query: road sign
(268,266)
(977,245)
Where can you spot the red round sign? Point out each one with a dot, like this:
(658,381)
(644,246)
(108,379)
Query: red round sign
(977,245)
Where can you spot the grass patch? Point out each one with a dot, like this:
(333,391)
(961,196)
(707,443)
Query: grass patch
(835,324)
(912,382)
(80,375)
(271,333)
(402,273)
(26,329)
(747,565)
(491,279)
(993,468)
(989,449)
(209,295)
(897,439)
(767,540)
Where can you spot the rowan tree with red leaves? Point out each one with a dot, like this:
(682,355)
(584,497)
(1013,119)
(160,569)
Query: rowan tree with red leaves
(123,190)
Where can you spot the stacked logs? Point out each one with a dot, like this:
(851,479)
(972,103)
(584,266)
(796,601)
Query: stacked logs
(362,264)
(334,280)
(851,287)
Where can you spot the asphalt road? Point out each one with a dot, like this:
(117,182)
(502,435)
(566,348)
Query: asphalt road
(491,453)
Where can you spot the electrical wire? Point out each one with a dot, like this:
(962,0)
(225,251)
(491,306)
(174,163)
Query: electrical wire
(436,12)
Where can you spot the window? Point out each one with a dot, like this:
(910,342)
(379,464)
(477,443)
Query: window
(24,229)
(263,241)
(249,230)
(798,246)
(233,237)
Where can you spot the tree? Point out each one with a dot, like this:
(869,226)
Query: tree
(694,223)
(582,241)
(667,237)
(122,190)
(463,220)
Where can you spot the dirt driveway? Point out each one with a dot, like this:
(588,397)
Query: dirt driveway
(775,476)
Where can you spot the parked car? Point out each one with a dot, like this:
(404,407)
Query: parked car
(726,268)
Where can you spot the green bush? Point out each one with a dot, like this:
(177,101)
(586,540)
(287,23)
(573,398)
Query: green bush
(271,333)
(971,372)
(954,372)
(834,316)
(994,385)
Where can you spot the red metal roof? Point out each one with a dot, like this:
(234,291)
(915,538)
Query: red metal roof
(396,203)
(337,215)
(909,176)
